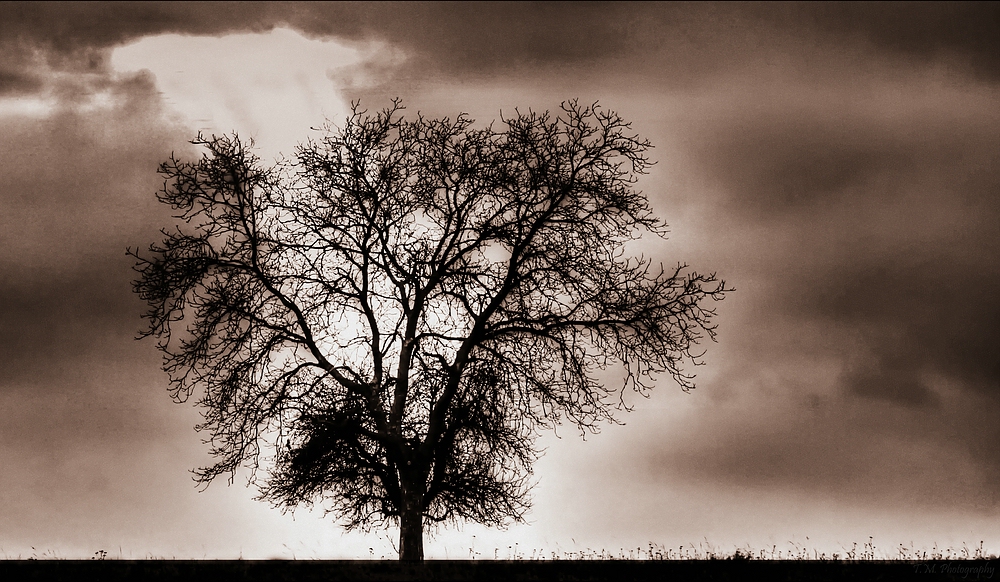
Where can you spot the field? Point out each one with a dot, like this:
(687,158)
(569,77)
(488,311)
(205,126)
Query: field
(736,567)
(507,571)
(692,562)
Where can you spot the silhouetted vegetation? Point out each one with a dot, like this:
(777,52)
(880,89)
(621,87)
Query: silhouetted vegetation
(699,561)
(385,322)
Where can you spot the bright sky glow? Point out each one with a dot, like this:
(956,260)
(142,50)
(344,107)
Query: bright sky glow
(270,87)
(26,107)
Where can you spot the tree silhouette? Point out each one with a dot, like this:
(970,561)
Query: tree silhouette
(384,324)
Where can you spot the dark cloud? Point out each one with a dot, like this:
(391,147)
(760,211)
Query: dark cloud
(858,357)
(674,40)
(781,164)
(878,219)
(865,454)
(958,32)
(935,314)
(18,83)
(678,39)
(86,427)
(76,190)
(69,27)
(49,327)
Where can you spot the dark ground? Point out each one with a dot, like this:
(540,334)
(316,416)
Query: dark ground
(506,571)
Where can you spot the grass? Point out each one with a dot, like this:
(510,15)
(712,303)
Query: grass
(705,551)
(654,562)
(867,552)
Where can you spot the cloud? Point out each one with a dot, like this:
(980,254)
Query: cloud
(682,42)
(859,454)
(18,83)
(957,33)
(874,216)
(77,189)
(857,359)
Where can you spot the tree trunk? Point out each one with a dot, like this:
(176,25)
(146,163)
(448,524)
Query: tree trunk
(411,526)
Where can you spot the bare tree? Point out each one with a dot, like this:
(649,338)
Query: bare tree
(384,324)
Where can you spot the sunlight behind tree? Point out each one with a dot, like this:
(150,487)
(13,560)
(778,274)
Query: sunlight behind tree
(385,324)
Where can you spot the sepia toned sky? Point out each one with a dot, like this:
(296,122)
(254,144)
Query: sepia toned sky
(837,163)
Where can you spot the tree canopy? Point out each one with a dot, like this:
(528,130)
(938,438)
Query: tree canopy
(384,323)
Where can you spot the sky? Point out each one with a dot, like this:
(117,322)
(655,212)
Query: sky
(838,164)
